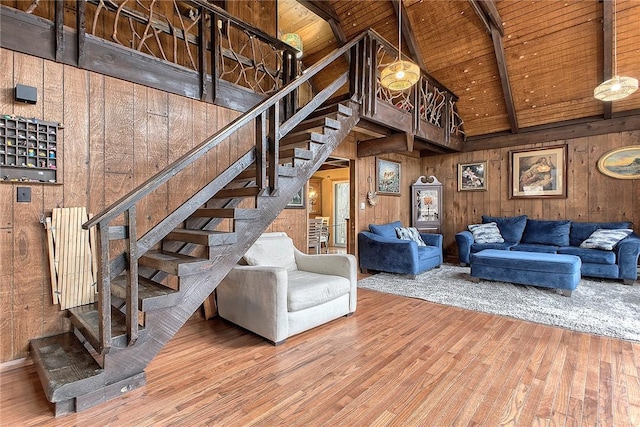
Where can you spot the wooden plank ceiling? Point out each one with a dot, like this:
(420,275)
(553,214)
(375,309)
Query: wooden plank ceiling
(552,52)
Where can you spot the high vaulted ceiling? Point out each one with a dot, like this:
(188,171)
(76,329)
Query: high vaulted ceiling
(539,66)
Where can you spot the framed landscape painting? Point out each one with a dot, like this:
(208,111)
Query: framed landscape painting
(621,163)
(539,173)
(387,177)
(472,176)
(298,200)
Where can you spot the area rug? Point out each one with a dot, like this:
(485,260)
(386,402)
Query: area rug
(602,307)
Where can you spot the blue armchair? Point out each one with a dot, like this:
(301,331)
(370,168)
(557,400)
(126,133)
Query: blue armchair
(381,250)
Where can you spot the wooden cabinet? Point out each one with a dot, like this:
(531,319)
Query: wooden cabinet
(426,205)
(28,150)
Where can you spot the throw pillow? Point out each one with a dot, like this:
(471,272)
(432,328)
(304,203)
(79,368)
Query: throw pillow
(271,251)
(486,233)
(605,239)
(410,233)
(385,230)
(511,227)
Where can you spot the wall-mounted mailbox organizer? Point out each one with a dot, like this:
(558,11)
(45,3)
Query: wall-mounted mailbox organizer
(426,205)
(28,150)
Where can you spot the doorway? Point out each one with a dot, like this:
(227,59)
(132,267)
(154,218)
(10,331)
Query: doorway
(341,203)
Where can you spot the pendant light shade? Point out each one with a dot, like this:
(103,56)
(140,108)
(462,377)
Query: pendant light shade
(616,87)
(400,75)
(295,41)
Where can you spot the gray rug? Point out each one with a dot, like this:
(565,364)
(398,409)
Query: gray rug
(601,307)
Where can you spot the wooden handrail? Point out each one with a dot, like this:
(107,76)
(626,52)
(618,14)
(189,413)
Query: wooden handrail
(191,156)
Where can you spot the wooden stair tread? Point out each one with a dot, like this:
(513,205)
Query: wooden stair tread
(226,193)
(334,110)
(316,123)
(174,263)
(296,153)
(202,237)
(65,367)
(234,213)
(151,295)
(302,137)
(87,319)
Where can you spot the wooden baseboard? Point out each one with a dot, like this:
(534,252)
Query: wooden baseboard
(15,364)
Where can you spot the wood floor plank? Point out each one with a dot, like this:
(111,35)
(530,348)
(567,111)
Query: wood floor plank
(396,362)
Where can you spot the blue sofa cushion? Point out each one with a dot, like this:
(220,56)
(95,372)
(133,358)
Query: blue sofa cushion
(410,233)
(486,233)
(591,256)
(385,230)
(540,232)
(580,231)
(511,227)
(477,247)
(604,239)
(533,247)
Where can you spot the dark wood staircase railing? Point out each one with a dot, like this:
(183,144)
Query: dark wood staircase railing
(148,289)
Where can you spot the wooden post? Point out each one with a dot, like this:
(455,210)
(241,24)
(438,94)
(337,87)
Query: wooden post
(104,289)
(132,276)
(202,52)
(272,150)
(81,30)
(261,151)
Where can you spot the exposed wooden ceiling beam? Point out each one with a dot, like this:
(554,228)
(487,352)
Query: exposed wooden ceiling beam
(488,14)
(491,12)
(607,50)
(407,33)
(557,131)
(324,10)
(398,142)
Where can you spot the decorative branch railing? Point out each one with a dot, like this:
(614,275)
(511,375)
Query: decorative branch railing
(182,32)
(428,99)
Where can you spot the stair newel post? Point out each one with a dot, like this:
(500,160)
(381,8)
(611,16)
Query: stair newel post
(261,151)
(132,276)
(272,150)
(371,84)
(104,287)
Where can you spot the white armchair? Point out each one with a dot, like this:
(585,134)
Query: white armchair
(283,291)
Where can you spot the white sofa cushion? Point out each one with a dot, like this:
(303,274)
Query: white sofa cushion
(274,250)
(308,289)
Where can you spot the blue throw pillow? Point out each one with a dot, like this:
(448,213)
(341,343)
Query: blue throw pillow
(511,227)
(605,240)
(540,232)
(410,233)
(385,230)
(486,233)
(580,231)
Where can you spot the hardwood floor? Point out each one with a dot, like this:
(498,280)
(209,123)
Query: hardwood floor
(397,361)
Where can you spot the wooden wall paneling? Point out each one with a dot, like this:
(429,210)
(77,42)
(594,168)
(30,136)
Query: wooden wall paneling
(211,126)
(180,141)
(578,182)
(77,132)
(602,201)
(625,200)
(140,154)
(6,287)
(75,147)
(494,194)
(157,136)
(6,81)
(96,183)
(28,71)
(29,265)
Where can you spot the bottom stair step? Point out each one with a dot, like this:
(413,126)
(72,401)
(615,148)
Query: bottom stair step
(65,367)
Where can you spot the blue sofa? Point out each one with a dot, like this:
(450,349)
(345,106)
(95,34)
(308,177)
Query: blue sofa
(563,237)
(379,249)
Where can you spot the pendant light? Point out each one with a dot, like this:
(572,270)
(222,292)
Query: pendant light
(400,75)
(616,87)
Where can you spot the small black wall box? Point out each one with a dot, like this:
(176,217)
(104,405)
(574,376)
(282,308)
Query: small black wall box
(28,94)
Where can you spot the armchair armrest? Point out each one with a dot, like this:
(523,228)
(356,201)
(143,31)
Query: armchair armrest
(432,239)
(464,239)
(343,265)
(255,297)
(628,251)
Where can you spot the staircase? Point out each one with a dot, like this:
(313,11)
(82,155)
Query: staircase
(151,285)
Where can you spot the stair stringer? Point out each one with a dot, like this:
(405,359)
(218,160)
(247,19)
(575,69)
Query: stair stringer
(163,324)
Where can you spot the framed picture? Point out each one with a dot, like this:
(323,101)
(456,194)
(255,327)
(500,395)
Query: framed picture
(539,173)
(387,177)
(621,163)
(472,176)
(298,200)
